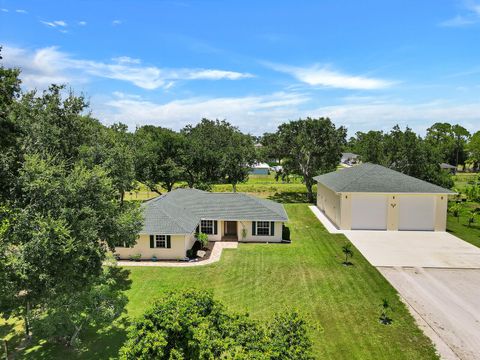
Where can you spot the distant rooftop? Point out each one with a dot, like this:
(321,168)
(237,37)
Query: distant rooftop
(376,178)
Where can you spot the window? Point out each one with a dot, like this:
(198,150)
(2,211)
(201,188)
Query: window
(206,227)
(160,241)
(263,228)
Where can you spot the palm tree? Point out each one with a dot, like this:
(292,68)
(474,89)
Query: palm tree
(384,319)
(347,250)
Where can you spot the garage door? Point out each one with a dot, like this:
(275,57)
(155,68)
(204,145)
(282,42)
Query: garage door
(416,213)
(369,212)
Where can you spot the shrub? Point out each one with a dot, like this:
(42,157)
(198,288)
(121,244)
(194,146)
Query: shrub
(135,257)
(192,325)
(455,210)
(285,233)
(202,238)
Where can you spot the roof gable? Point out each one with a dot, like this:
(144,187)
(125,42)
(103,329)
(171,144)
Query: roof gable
(378,179)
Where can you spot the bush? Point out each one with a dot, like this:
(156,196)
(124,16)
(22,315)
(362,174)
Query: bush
(285,233)
(135,257)
(202,238)
(192,325)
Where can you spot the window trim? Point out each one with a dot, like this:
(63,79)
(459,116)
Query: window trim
(212,226)
(158,238)
(265,225)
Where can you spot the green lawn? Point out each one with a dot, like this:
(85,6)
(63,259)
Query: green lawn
(259,185)
(342,303)
(459,227)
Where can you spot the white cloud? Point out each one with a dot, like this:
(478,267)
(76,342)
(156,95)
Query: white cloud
(318,75)
(55,23)
(126,60)
(4,10)
(471,16)
(457,21)
(382,115)
(62,67)
(263,113)
(251,113)
(215,75)
(82,23)
(116,22)
(21,11)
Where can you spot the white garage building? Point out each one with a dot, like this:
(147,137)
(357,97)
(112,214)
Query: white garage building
(373,197)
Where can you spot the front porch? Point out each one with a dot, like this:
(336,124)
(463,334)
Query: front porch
(230,231)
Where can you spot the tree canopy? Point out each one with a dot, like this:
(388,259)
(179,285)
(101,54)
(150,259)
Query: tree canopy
(192,325)
(308,148)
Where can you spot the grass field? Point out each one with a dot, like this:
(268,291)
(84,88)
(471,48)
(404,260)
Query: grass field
(341,303)
(459,227)
(259,185)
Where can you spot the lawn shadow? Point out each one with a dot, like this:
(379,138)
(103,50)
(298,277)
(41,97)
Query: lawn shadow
(12,334)
(289,197)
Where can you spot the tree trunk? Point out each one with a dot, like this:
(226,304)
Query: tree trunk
(26,319)
(5,346)
(309,186)
(122,197)
(75,335)
(234,187)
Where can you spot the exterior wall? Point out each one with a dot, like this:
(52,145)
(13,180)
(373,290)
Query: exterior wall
(218,236)
(345,211)
(441,204)
(249,237)
(392,212)
(329,202)
(177,251)
(440,220)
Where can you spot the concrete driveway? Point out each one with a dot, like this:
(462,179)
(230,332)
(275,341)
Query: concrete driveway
(415,249)
(438,278)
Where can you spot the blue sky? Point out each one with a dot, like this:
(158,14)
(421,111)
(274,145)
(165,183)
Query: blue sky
(365,64)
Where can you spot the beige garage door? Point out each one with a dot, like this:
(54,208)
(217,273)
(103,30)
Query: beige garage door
(369,212)
(416,212)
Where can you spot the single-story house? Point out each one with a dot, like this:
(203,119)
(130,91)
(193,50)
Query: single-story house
(449,168)
(172,220)
(260,169)
(373,197)
(349,158)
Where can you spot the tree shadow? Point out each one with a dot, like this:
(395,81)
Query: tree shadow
(10,332)
(289,197)
(101,342)
(121,276)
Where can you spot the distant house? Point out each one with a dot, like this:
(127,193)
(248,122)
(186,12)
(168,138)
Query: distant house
(450,168)
(373,197)
(349,158)
(171,221)
(277,168)
(260,169)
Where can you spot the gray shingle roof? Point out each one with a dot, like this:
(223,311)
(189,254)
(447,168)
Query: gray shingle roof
(180,211)
(376,178)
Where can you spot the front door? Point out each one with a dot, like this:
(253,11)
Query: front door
(230,228)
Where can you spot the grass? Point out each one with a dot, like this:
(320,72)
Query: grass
(342,303)
(259,185)
(459,227)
